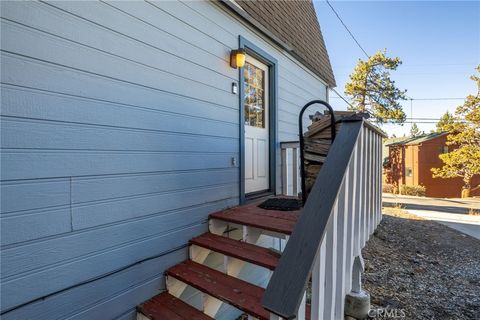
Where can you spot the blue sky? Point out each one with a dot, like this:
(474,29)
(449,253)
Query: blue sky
(439,43)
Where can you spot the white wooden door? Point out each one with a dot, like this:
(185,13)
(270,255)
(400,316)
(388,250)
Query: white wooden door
(256,110)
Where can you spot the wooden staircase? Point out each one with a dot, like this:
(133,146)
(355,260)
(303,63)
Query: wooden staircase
(337,219)
(233,233)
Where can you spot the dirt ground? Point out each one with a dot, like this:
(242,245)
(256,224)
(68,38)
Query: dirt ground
(422,269)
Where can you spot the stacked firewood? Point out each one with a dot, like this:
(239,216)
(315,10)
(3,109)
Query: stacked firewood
(317,141)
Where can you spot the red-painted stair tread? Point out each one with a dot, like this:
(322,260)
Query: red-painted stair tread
(238,249)
(165,306)
(252,215)
(238,293)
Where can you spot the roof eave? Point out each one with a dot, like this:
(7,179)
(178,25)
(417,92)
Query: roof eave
(235,8)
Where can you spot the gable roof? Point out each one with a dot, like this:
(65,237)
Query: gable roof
(396,140)
(399,141)
(295,24)
(418,139)
(426,137)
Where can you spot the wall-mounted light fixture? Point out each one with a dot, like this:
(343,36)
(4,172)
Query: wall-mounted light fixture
(237,58)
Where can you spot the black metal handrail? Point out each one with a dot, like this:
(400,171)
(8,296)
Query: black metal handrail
(285,290)
(300,136)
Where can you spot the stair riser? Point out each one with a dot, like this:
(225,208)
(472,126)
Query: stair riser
(175,287)
(141,316)
(231,266)
(219,227)
(210,304)
(198,254)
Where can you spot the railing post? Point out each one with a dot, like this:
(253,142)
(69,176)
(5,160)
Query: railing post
(362,184)
(341,248)
(357,301)
(302,308)
(380,180)
(287,176)
(295,171)
(370,181)
(331,265)
(366,211)
(351,216)
(375,181)
(379,174)
(284,172)
(358,195)
(318,283)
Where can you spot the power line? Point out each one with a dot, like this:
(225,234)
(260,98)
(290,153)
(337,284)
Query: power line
(422,118)
(437,99)
(341,97)
(368,56)
(354,39)
(423,122)
(427,99)
(348,30)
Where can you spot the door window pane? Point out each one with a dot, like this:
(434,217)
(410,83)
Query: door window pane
(254,96)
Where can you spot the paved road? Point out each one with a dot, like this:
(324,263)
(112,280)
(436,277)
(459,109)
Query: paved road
(435,204)
(464,223)
(450,212)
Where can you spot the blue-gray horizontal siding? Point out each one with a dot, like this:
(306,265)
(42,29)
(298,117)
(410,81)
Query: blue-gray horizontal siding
(118,130)
(105,298)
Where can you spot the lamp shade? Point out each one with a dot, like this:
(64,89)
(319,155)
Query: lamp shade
(237,58)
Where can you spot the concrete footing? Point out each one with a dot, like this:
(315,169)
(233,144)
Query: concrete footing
(357,304)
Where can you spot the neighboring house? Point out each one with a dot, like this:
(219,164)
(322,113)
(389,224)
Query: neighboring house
(385,154)
(387,142)
(124,126)
(411,159)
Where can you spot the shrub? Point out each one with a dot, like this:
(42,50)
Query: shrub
(418,191)
(474,212)
(388,188)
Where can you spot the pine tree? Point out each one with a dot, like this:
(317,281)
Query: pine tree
(464,161)
(446,122)
(371,90)
(414,130)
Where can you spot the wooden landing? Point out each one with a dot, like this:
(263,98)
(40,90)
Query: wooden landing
(237,249)
(238,293)
(252,215)
(165,306)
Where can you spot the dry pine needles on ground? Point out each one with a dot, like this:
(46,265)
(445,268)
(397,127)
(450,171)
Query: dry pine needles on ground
(423,268)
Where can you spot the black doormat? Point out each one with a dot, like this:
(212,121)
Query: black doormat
(281,204)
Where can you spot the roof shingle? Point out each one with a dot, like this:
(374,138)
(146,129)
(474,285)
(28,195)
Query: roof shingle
(296,24)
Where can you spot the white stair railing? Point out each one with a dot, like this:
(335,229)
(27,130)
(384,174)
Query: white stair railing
(340,214)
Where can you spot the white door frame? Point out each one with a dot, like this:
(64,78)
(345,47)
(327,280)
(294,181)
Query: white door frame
(274,152)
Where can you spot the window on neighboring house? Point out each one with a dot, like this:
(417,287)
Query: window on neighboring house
(443,149)
(408,172)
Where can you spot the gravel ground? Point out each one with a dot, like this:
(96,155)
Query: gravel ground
(422,269)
